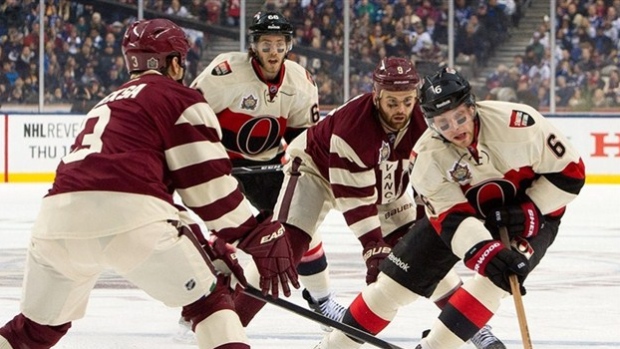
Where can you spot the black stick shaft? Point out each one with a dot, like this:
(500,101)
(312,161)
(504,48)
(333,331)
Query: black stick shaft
(311,315)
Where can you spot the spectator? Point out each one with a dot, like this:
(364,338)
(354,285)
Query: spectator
(365,7)
(176,9)
(399,44)
(97,23)
(197,10)
(22,64)
(427,10)
(462,13)
(9,75)
(473,41)
(563,92)
(233,12)
(214,9)
(536,46)
(525,94)
(421,42)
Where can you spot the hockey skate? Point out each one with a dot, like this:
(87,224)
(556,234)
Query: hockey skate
(485,339)
(327,307)
(184,334)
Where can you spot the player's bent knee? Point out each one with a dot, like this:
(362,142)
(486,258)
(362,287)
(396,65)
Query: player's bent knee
(221,330)
(446,286)
(485,291)
(219,299)
(385,296)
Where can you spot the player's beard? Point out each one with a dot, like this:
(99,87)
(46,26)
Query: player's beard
(270,66)
(396,121)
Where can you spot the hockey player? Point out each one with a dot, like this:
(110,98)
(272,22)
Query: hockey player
(111,206)
(479,166)
(262,101)
(357,160)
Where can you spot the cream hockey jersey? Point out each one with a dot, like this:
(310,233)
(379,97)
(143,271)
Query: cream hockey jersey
(140,144)
(254,114)
(517,155)
(364,165)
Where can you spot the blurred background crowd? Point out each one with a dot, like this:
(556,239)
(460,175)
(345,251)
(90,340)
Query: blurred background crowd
(83,62)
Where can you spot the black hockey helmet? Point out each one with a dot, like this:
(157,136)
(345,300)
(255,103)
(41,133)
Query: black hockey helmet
(270,23)
(395,74)
(443,91)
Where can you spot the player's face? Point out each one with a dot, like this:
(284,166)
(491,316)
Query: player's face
(395,107)
(270,50)
(456,125)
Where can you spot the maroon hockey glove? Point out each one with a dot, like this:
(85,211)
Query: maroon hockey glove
(491,259)
(374,253)
(224,259)
(524,220)
(269,246)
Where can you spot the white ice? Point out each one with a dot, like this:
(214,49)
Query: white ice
(573,298)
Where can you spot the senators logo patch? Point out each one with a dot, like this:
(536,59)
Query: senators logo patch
(221,69)
(520,119)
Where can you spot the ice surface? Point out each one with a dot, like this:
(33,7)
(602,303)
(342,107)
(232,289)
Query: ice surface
(573,298)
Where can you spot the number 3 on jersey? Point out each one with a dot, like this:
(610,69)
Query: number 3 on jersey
(91,139)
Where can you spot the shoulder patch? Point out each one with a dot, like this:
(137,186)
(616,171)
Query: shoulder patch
(221,69)
(521,119)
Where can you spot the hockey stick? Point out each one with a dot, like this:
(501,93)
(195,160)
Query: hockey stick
(308,314)
(311,315)
(257,169)
(516,295)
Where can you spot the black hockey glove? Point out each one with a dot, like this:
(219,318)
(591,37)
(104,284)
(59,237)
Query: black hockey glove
(491,259)
(524,220)
(374,253)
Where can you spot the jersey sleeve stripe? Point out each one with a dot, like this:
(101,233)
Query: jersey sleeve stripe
(230,219)
(343,150)
(365,225)
(547,196)
(347,178)
(193,153)
(206,192)
(196,115)
(571,179)
(350,203)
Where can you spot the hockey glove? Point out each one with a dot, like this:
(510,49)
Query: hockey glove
(491,259)
(524,220)
(374,253)
(225,260)
(270,249)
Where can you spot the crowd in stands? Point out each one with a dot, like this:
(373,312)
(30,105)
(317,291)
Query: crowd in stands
(83,61)
(586,58)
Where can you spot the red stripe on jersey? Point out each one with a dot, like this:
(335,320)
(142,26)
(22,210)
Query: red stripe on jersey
(575,170)
(313,254)
(362,314)
(463,207)
(470,307)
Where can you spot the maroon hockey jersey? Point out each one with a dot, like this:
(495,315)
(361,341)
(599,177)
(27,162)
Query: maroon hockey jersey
(140,144)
